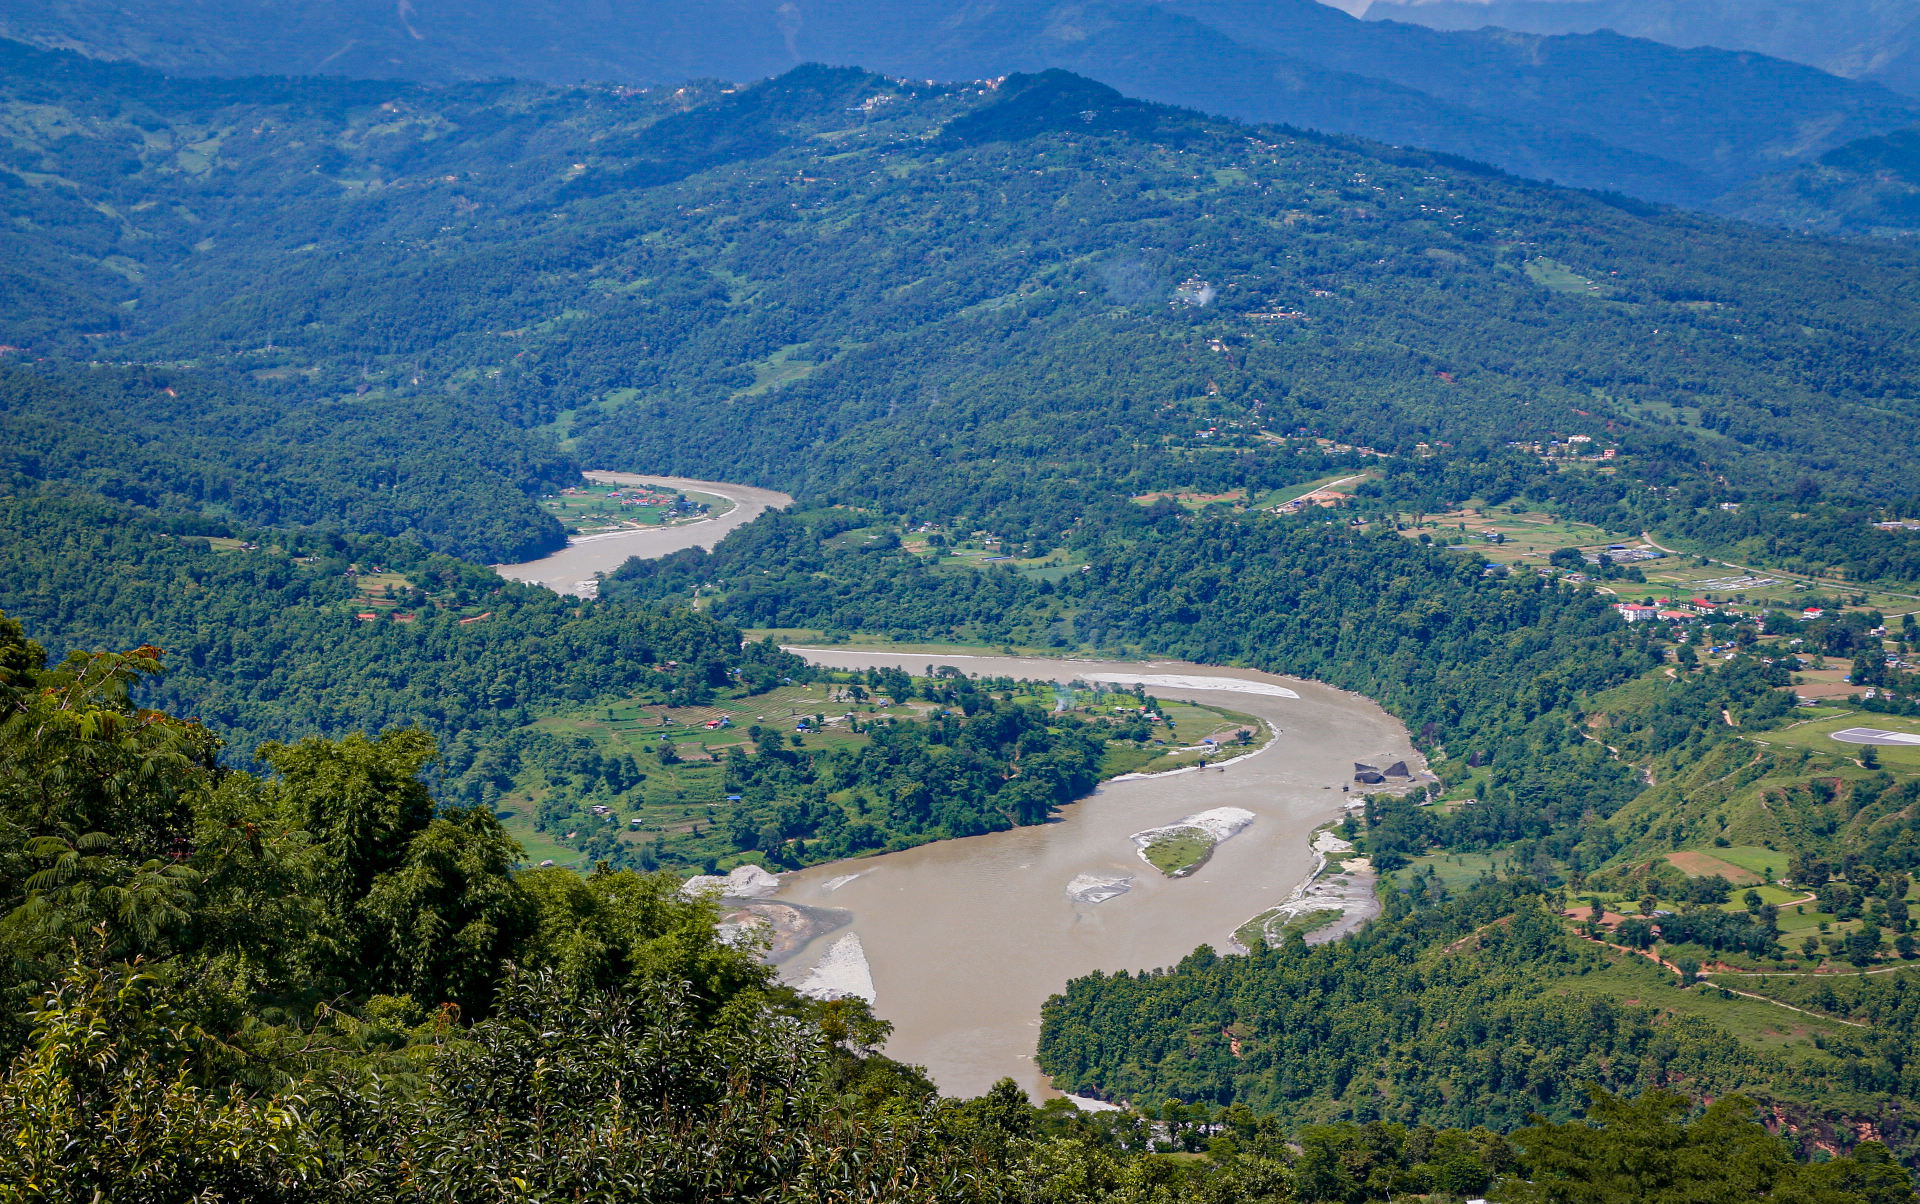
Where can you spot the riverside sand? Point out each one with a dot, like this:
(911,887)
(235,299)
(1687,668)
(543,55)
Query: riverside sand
(571,570)
(959,942)
(963,940)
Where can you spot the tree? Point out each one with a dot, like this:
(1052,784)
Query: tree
(1649,1151)
(115,1098)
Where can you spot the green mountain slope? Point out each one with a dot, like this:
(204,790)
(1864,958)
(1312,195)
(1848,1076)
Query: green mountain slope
(194,443)
(971,312)
(788,282)
(1867,187)
(1597,110)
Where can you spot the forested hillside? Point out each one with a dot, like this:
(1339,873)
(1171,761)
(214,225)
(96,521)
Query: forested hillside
(1046,367)
(1459,1011)
(272,642)
(1867,187)
(629,273)
(319,987)
(211,452)
(1597,109)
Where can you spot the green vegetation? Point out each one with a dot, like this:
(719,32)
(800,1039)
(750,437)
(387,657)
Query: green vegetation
(1865,187)
(216,456)
(245,986)
(1472,1009)
(270,643)
(1041,381)
(1178,854)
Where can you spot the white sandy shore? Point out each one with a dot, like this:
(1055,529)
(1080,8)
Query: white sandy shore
(1208,768)
(745,882)
(1349,893)
(1098,888)
(1218,823)
(1181,681)
(841,973)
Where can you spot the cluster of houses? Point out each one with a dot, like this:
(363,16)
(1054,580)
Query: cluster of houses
(1665,610)
(633,495)
(1572,445)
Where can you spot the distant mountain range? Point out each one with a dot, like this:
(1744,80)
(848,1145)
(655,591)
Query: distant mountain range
(1596,110)
(1876,40)
(1869,187)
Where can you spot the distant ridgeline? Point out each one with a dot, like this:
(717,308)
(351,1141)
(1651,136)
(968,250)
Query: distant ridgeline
(289,338)
(838,284)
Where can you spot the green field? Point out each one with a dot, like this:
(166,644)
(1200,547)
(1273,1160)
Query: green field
(1551,274)
(1815,735)
(1767,863)
(1456,871)
(1179,853)
(691,794)
(596,507)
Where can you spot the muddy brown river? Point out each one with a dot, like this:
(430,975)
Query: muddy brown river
(958,943)
(963,940)
(571,570)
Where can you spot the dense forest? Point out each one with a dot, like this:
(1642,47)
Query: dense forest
(289,361)
(680,277)
(271,642)
(1465,1010)
(199,445)
(317,986)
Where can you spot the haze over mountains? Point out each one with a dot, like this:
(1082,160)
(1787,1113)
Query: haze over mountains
(1875,40)
(1597,110)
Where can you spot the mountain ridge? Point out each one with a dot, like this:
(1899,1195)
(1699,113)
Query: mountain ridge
(1630,115)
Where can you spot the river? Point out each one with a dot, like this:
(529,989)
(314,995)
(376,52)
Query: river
(571,570)
(965,939)
(961,941)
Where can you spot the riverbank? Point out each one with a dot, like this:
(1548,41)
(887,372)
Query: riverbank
(1335,900)
(965,939)
(576,568)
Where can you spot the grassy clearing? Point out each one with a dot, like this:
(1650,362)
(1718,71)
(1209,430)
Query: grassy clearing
(1764,863)
(595,508)
(1178,854)
(1456,871)
(1558,277)
(777,371)
(1699,864)
(1636,980)
(1526,537)
(1816,736)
